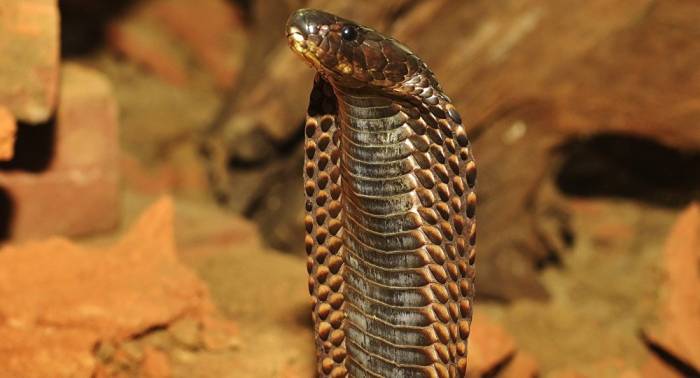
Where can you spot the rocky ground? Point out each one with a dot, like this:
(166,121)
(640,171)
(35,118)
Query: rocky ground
(151,200)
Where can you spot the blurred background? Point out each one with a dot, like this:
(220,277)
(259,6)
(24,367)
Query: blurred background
(151,194)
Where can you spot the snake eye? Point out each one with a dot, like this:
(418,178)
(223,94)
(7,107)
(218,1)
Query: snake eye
(348,33)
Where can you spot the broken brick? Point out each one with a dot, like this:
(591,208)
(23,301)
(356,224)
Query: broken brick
(75,191)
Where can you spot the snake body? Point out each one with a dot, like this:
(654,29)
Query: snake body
(390,205)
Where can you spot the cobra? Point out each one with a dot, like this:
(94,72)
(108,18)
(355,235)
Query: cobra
(390,206)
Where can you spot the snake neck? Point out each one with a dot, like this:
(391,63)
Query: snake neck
(382,241)
(375,159)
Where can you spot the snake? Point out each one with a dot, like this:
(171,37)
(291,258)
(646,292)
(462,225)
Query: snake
(390,202)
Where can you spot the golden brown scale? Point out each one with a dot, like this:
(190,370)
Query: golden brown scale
(324,230)
(446,174)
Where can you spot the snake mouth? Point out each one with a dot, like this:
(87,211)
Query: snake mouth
(297,42)
(304,48)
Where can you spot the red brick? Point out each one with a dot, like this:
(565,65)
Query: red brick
(8,130)
(29,58)
(77,193)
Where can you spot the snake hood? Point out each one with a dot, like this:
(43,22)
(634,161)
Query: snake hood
(352,55)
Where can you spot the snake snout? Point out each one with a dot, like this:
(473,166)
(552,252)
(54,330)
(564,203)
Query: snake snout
(301,23)
(296,24)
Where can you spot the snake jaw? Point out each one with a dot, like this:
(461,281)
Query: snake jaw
(305,49)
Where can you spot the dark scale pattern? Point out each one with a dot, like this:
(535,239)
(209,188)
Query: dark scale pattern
(446,204)
(391,205)
(451,212)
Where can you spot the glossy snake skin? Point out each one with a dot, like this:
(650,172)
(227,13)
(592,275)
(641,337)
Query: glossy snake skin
(389,183)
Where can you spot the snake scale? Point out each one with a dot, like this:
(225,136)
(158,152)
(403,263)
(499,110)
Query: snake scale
(389,178)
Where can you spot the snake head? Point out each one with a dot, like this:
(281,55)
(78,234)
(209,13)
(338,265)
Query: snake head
(352,55)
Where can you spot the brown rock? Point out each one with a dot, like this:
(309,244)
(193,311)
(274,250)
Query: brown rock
(74,189)
(517,51)
(635,57)
(8,130)
(29,41)
(525,220)
(489,346)
(215,43)
(155,364)
(71,299)
(679,316)
(280,212)
(510,54)
(163,36)
(523,365)
(238,189)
